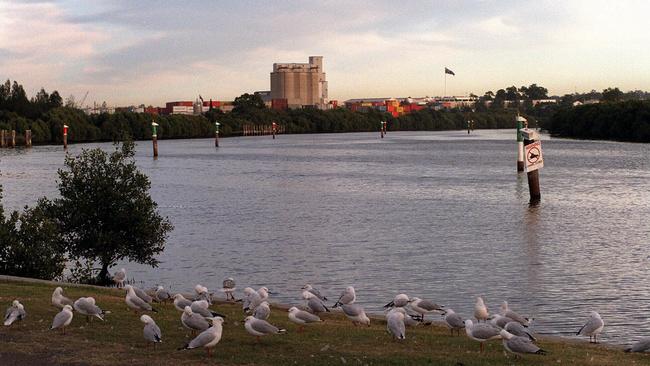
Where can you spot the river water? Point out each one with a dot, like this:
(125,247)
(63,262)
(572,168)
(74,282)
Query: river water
(439,215)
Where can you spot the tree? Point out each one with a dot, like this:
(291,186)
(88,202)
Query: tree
(30,243)
(612,95)
(247,103)
(106,213)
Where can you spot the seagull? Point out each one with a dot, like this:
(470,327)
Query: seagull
(481,332)
(135,302)
(356,313)
(203,294)
(519,345)
(259,327)
(143,295)
(314,304)
(181,302)
(86,306)
(517,329)
(151,330)
(505,311)
(249,296)
(641,346)
(16,312)
(229,288)
(193,321)
(593,327)
(348,296)
(395,323)
(480,310)
(59,300)
(162,295)
(399,301)
(63,318)
(423,307)
(119,278)
(454,321)
(500,321)
(264,293)
(302,317)
(201,307)
(262,311)
(209,338)
(314,291)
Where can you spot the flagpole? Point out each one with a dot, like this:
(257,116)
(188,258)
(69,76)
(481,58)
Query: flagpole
(445,84)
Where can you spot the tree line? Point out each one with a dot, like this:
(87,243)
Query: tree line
(622,121)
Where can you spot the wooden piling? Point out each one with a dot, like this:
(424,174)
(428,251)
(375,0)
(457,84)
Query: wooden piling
(381,129)
(273,127)
(533,186)
(520,144)
(13,138)
(2,138)
(65,137)
(28,138)
(216,134)
(154,139)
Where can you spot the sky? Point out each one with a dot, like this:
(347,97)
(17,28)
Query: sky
(151,52)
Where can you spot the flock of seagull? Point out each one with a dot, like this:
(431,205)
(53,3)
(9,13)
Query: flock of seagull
(402,312)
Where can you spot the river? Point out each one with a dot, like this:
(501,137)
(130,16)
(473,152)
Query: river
(439,215)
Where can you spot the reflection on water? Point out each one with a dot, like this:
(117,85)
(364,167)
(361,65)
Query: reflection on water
(438,215)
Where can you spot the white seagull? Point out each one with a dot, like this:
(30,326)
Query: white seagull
(640,346)
(162,295)
(423,307)
(302,317)
(314,291)
(519,345)
(481,332)
(507,312)
(480,310)
(399,301)
(454,321)
(16,312)
(395,323)
(259,327)
(119,277)
(135,302)
(593,327)
(262,311)
(193,321)
(151,331)
(63,318)
(86,306)
(180,302)
(355,313)
(209,338)
(348,296)
(59,300)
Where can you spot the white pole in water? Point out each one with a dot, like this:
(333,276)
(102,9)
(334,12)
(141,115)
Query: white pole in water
(520,143)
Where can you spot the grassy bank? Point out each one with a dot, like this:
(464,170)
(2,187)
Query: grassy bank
(118,340)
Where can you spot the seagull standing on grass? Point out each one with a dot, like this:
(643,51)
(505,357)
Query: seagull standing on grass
(59,300)
(202,293)
(314,292)
(209,338)
(262,311)
(348,296)
(229,288)
(252,299)
(517,329)
(593,327)
(119,277)
(302,317)
(395,323)
(86,306)
(162,295)
(454,321)
(142,294)
(480,310)
(151,331)
(399,301)
(481,332)
(193,321)
(505,311)
(423,307)
(499,320)
(519,345)
(136,303)
(314,304)
(201,307)
(180,302)
(259,327)
(356,313)
(63,318)
(16,312)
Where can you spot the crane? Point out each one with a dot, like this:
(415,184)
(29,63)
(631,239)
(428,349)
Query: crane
(81,104)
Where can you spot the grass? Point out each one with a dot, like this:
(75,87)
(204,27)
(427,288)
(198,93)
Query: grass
(119,341)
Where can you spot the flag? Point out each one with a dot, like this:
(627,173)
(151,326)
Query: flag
(447,71)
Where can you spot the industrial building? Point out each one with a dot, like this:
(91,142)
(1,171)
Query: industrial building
(300,84)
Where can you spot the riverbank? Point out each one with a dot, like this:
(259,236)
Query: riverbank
(118,340)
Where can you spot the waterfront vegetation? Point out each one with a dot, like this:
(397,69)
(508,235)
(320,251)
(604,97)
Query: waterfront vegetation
(336,341)
(104,214)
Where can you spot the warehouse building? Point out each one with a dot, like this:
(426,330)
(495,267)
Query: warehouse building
(299,85)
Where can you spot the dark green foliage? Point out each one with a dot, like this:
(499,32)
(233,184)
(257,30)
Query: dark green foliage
(105,211)
(30,243)
(622,121)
